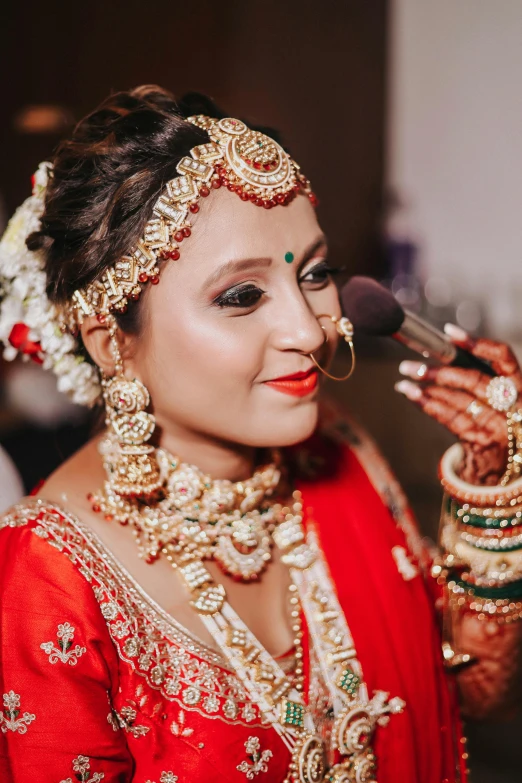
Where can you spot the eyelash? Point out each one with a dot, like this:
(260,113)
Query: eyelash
(237,297)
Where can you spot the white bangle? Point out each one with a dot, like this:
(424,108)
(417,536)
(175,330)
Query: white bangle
(498,495)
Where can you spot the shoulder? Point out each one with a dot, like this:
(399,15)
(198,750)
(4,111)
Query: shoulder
(40,563)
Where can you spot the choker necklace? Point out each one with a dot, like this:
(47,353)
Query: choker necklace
(219,520)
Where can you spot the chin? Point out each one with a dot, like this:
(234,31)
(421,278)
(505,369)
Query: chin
(292,427)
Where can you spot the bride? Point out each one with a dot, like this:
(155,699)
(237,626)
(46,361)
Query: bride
(226,583)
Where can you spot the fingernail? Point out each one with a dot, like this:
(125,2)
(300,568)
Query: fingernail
(410,390)
(456,333)
(413,369)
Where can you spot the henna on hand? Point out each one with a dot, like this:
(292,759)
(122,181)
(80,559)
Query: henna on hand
(445,394)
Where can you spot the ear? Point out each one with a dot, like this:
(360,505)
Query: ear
(97,342)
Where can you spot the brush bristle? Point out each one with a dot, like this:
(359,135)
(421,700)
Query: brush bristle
(370,307)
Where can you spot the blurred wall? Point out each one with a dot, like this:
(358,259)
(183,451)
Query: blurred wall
(454,153)
(314,70)
(455,143)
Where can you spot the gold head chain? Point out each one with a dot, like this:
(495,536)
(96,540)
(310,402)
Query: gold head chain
(245,161)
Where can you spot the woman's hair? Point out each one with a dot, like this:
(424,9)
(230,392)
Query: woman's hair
(106,178)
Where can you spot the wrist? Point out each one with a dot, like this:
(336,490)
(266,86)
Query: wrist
(481,535)
(496,496)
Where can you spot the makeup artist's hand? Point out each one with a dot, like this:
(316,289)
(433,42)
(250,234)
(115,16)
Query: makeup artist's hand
(457,399)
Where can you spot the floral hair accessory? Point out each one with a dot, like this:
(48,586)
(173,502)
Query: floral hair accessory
(29,322)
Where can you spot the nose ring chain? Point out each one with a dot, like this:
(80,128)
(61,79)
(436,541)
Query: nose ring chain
(344,328)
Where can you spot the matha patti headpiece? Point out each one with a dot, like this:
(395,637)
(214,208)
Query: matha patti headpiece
(245,161)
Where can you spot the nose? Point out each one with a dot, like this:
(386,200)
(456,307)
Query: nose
(297,328)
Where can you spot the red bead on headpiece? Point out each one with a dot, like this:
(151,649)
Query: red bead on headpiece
(248,163)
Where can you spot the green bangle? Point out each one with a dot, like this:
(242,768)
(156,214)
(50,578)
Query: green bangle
(512,590)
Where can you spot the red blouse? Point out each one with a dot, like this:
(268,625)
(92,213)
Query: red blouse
(99,683)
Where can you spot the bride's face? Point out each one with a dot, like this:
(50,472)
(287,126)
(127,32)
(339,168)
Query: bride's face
(237,311)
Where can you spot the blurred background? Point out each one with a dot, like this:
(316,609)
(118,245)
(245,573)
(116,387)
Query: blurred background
(405,115)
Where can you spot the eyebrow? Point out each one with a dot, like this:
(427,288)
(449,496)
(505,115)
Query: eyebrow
(246,264)
(231,267)
(311,250)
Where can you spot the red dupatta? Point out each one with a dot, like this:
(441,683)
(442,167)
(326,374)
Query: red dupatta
(134,698)
(361,517)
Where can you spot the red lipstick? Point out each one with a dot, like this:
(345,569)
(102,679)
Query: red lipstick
(300,384)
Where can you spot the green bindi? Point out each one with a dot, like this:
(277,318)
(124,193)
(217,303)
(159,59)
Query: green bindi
(289,257)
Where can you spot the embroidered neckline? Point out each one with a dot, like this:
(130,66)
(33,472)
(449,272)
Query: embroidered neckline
(155,645)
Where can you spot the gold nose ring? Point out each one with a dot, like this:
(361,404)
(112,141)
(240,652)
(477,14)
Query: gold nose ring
(344,328)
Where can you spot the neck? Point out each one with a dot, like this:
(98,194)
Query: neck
(219,459)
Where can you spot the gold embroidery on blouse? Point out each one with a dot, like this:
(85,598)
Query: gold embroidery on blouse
(126,719)
(258,758)
(62,652)
(17,516)
(113,720)
(166,777)
(81,765)
(158,648)
(11,720)
(178,727)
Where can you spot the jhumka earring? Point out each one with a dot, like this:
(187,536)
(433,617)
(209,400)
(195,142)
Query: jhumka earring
(345,328)
(131,463)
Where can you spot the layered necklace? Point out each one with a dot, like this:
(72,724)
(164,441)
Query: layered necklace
(195,519)
(199,517)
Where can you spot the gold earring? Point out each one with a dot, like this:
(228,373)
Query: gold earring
(345,328)
(130,462)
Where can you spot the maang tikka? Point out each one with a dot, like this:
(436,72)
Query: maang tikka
(133,470)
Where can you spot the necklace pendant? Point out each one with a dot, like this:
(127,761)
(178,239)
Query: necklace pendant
(353,729)
(352,734)
(245,552)
(308,763)
(360,769)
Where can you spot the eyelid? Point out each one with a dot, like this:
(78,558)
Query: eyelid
(243,286)
(312,263)
(223,299)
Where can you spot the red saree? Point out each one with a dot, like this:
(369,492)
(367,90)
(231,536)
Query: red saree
(98,683)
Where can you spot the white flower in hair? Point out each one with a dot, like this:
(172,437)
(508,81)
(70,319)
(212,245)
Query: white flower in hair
(29,322)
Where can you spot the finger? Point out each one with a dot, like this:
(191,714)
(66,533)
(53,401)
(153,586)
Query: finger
(499,355)
(437,404)
(440,410)
(458,336)
(486,420)
(472,381)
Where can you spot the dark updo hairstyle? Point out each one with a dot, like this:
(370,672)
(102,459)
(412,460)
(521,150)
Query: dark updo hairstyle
(106,178)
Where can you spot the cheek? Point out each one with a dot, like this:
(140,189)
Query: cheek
(207,352)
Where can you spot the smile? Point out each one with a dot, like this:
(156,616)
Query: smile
(300,384)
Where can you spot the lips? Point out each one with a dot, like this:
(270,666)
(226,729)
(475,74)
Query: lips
(299,384)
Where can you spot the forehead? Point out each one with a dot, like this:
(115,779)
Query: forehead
(227,227)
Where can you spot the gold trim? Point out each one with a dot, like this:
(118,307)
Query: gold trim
(132,617)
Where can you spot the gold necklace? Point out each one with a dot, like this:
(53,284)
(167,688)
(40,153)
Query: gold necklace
(221,519)
(208,519)
(355,714)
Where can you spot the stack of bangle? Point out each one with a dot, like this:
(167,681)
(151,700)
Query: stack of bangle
(481,536)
